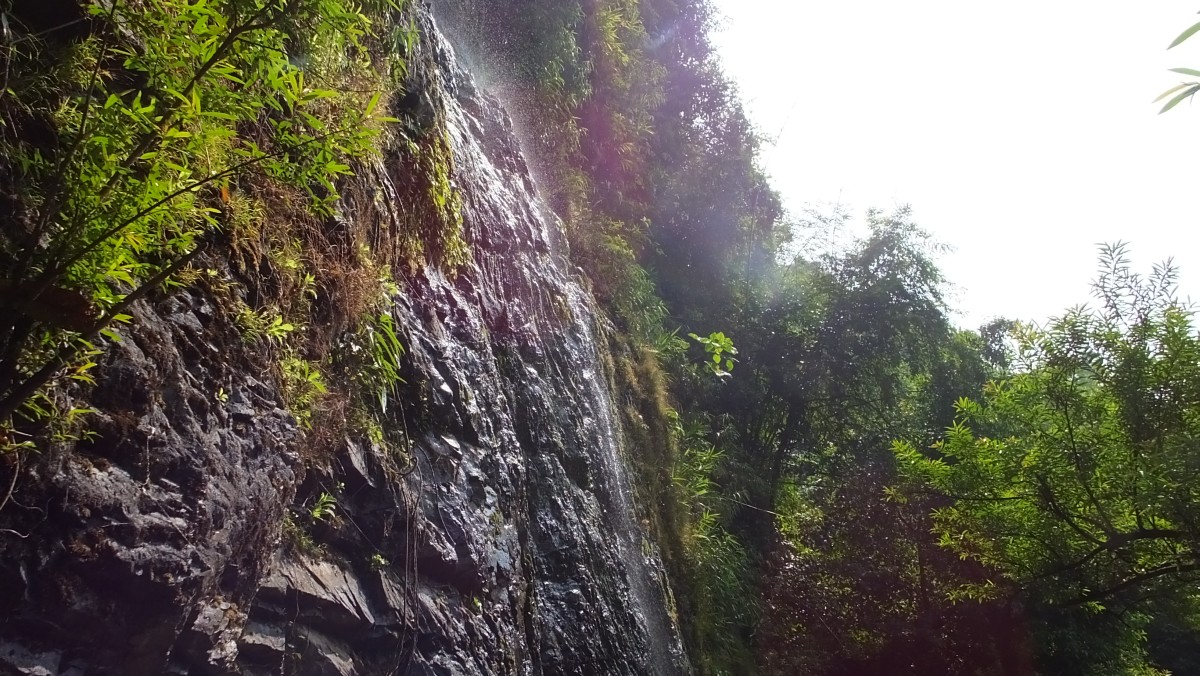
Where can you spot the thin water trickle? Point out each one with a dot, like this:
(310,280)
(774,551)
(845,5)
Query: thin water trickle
(556,329)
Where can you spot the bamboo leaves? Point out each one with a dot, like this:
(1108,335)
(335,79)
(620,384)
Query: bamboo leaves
(153,120)
(1184,91)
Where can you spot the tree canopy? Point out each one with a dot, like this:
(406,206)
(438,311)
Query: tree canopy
(1074,479)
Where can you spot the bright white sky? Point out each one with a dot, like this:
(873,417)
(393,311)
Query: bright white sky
(1022,133)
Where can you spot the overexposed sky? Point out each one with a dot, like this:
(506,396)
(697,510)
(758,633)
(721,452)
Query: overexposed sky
(1022,133)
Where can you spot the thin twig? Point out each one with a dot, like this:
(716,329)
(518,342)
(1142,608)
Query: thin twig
(12,484)
(58,184)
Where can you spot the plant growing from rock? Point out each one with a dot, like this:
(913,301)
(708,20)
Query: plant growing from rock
(127,145)
(324,507)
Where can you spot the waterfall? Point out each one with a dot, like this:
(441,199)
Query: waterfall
(546,328)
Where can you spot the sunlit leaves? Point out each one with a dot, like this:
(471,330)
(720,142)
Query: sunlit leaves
(1184,36)
(1076,478)
(169,103)
(719,351)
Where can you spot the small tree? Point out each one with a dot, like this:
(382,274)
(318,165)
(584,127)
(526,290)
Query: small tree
(1076,479)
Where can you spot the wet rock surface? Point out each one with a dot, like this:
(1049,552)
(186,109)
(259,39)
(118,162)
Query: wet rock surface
(490,533)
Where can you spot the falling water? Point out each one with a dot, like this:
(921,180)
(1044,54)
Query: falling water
(550,326)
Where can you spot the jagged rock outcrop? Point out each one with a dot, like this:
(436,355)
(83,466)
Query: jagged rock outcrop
(492,534)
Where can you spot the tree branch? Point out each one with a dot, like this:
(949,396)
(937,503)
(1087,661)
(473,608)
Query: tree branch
(1177,568)
(11,403)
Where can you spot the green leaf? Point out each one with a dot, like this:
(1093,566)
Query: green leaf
(1186,94)
(1186,71)
(179,95)
(1170,91)
(1184,35)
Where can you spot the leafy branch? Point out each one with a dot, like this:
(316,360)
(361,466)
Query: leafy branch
(1185,90)
(719,351)
(118,201)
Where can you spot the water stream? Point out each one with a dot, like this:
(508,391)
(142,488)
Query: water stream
(554,329)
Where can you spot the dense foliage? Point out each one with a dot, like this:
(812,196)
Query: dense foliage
(1074,480)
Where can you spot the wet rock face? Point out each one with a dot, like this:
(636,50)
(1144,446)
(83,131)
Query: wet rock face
(492,534)
(144,529)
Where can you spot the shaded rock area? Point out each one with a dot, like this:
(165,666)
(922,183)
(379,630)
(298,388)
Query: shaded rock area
(490,532)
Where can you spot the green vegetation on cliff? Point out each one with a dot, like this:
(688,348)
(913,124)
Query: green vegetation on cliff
(138,134)
(147,147)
